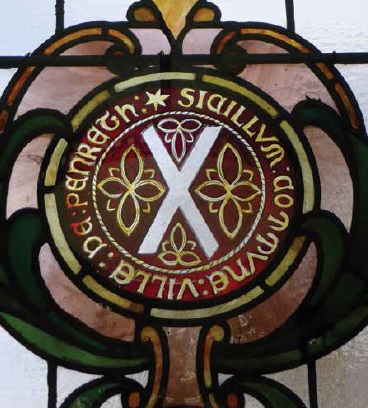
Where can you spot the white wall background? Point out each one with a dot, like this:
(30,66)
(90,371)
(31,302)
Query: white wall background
(332,25)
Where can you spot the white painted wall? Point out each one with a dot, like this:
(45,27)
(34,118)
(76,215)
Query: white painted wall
(332,26)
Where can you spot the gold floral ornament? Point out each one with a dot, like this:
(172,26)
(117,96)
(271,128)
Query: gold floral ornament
(178,251)
(127,188)
(229,191)
(178,134)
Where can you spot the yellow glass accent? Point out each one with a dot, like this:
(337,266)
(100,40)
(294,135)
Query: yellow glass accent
(88,108)
(149,334)
(348,106)
(213,401)
(144,14)
(277,35)
(230,190)
(72,37)
(210,311)
(129,189)
(174,12)
(174,252)
(14,93)
(52,169)
(124,38)
(215,335)
(4,115)
(224,40)
(326,71)
(242,91)
(308,181)
(103,293)
(163,76)
(53,48)
(58,235)
(289,259)
(204,15)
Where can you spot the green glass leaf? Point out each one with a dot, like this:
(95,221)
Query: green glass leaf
(272,394)
(25,239)
(10,304)
(329,235)
(47,345)
(335,295)
(344,330)
(26,128)
(359,254)
(354,147)
(93,395)
(3,278)
(302,341)
(316,113)
(24,242)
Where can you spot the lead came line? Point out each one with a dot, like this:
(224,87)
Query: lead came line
(290,15)
(345,58)
(60,15)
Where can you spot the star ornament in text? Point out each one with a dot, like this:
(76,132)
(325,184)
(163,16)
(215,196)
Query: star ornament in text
(156,99)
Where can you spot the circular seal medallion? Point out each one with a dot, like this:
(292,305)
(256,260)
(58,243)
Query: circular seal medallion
(176,193)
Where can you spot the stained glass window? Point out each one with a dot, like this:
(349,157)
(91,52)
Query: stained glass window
(183,204)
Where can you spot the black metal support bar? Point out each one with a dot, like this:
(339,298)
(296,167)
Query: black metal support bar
(290,15)
(52,385)
(7,62)
(60,15)
(312,382)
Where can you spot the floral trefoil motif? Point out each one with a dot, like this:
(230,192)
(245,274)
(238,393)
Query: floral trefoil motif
(127,189)
(229,192)
(179,250)
(178,134)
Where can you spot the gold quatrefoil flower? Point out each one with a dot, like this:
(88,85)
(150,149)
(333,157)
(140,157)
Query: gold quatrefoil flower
(126,188)
(229,191)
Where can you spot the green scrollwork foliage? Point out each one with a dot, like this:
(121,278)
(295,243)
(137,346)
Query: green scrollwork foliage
(27,309)
(269,392)
(97,392)
(336,308)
